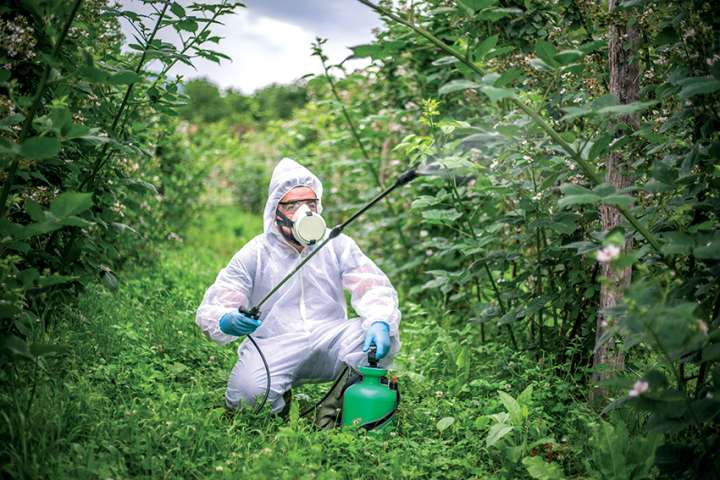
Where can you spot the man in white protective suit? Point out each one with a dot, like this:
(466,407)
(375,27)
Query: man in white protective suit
(303,329)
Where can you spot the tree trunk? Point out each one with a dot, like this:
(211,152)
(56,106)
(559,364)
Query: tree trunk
(624,84)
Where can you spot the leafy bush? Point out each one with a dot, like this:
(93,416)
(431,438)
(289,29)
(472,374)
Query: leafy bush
(615,454)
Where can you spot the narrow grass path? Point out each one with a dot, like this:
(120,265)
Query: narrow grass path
(140,391)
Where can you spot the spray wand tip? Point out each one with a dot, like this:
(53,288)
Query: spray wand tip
(406,177)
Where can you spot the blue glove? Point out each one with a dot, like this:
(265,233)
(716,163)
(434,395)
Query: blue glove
(379,334)
(237,324)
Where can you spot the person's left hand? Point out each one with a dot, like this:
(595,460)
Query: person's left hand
(379,334)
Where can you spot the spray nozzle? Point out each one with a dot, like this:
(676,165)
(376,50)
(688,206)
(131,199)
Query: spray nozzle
(406,177)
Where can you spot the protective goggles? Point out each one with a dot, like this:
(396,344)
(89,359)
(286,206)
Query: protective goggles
(292,207)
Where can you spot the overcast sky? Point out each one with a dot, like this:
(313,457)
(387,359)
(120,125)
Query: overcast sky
(269,41)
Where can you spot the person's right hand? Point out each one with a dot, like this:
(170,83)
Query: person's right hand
(237,324)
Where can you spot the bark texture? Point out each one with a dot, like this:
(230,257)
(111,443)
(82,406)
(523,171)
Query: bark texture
(625,85)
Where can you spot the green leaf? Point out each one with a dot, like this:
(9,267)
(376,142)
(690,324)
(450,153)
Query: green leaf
(575,112)
(517,413)
(573,189)
(588,198)
(618,200)
(698,86)
(444,423)
(541,470)
(456,85)
(35,211)
(177,10)
(592,46)
(567,57)
(187,24)
(73,221)
(600,146)
(711,352)
(495,94)
(71,203)
(42,227)
(604,189)
(17,346)
(476,5)
(494,14)
(125,77)
(76,131)
(10,120)
(13,230)
(677,243)
(442,216)
(141,186)
(496,433)
(39,148)
(448,60)
(625,109)
(60,117)
(47,349)
(525,396)
(508,76)
(608,100)
(367,50)
(546,52)
(538,64)
(93,74)
(708,247)
(54,280)
(485,46)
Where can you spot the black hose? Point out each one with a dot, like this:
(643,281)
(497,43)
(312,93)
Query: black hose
(267,373)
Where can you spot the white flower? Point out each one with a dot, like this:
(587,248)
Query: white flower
(607,254)
(423,233)
(640,387)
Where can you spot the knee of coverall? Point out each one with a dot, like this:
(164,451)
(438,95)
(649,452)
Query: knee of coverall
(246,390)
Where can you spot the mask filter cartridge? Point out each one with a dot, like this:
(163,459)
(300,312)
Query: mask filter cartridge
(308,227)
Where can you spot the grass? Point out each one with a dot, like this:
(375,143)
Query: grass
(138,392)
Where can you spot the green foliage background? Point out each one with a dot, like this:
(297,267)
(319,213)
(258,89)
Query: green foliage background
(107,167)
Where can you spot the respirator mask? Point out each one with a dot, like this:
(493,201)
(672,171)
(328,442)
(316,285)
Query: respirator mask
(307,227)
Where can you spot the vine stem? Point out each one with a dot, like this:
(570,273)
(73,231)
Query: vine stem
(101,160)
(35,105)
(585,166)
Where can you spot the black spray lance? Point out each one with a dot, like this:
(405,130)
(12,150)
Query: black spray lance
(254,312)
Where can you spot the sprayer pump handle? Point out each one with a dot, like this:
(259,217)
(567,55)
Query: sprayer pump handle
(372,356)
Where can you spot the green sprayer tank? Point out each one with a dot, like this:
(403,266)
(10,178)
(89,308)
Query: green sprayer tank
(370,400)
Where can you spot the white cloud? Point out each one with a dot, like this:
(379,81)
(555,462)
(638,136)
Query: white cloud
(267,50)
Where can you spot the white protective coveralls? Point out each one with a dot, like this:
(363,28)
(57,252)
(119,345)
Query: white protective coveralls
(305,333)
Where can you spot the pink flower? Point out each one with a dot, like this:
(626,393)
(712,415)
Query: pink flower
(607,254)
(641,386)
